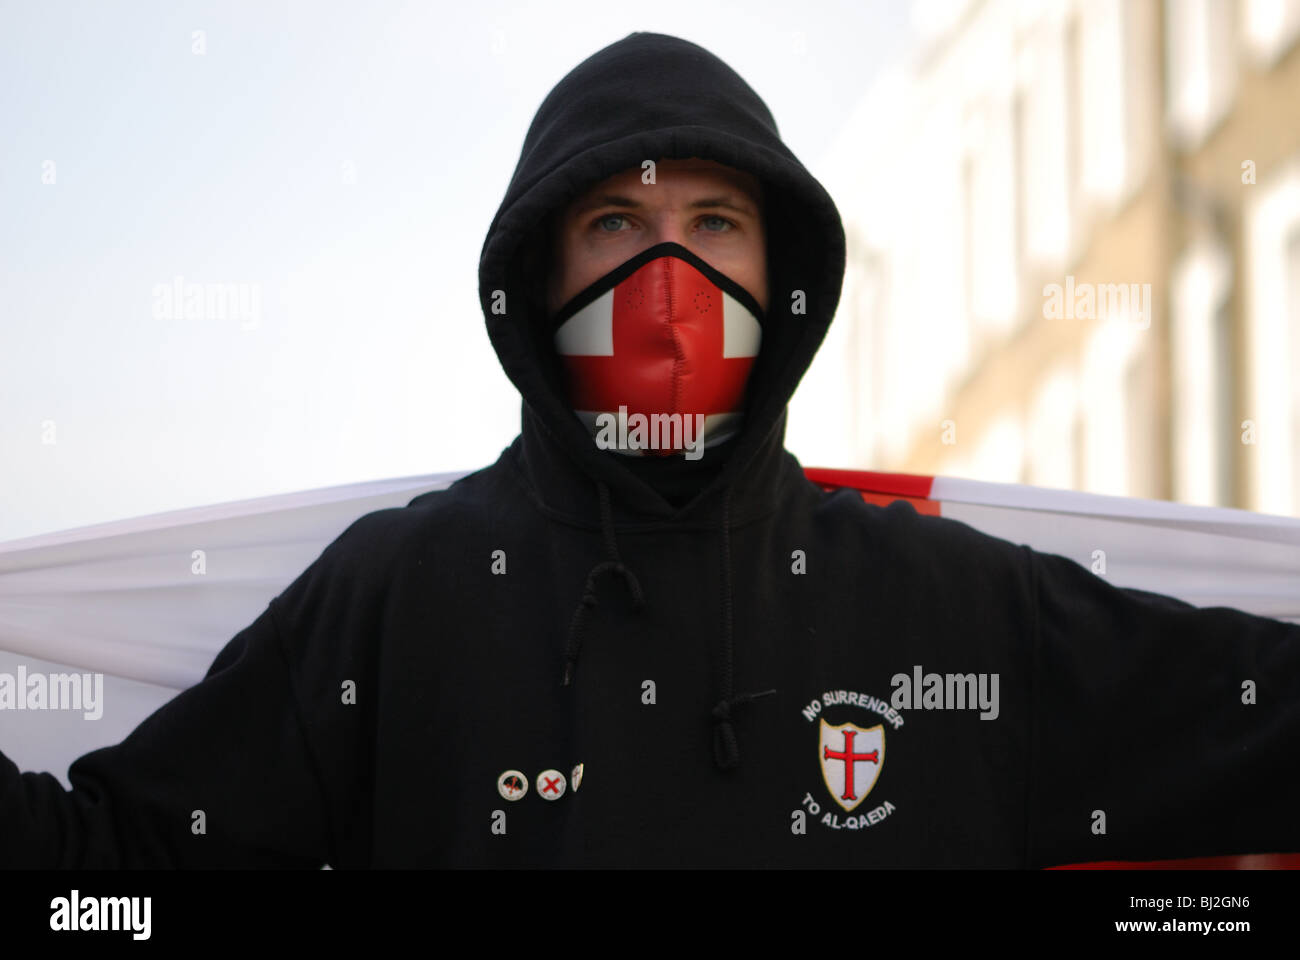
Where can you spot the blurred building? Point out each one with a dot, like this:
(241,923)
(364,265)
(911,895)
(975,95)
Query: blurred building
(1074,253)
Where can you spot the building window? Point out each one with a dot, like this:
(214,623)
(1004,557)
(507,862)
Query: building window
(1293,324)
(1200,67)
(1272,401)
(1103,105)
(1107,405)
(990,219)
(1269,28)
(999,453)
(1201,347)
(1073,76)
(1053,435)
(1042,153)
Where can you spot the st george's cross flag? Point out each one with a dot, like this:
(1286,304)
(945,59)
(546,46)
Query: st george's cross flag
(123,599)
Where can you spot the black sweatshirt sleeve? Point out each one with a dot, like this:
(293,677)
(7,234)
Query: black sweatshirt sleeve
(219,776)
(1173,729)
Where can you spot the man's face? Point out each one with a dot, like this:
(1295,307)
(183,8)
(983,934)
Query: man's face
(713,210)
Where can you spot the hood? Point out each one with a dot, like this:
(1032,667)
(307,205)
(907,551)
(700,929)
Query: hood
(647,97)
(651,96)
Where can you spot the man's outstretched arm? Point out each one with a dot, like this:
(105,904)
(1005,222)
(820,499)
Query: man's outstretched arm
(1160,730)
(220,776)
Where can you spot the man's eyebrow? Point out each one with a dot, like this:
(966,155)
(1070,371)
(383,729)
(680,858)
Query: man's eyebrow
(607,200)
(725,201)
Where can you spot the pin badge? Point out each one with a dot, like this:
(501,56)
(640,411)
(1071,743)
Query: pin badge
(512,784)
(576,777)
(550,784)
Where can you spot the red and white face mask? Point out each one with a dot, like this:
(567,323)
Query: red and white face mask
(657,353)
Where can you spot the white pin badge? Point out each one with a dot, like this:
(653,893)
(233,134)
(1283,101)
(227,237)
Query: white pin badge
(512,784)
(550,784)
(575,778)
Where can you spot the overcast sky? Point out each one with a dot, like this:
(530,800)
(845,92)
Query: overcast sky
(342,162)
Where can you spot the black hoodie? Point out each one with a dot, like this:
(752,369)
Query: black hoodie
(577,658)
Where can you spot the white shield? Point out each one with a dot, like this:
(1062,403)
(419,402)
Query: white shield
(851,758)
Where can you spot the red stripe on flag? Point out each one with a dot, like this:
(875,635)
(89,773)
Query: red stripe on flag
(881,489)
(927,507)
(911,486)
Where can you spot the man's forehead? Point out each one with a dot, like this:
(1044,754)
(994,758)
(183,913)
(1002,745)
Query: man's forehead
(694,173)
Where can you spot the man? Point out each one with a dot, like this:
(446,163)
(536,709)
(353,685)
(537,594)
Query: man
(623,645)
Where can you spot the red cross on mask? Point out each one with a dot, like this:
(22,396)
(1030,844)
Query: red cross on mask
(663,334)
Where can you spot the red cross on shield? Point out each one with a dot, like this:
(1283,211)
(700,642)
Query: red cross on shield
(851,758)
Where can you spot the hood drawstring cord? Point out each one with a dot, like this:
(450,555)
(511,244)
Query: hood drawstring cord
(726,751)
(589,601)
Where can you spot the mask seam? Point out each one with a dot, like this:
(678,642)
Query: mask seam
(679,354)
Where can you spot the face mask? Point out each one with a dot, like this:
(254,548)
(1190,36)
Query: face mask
(657,353)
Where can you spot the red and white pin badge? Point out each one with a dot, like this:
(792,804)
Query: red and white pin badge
(550,784)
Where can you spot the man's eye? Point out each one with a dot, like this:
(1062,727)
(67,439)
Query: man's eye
(603,222)
(716,220)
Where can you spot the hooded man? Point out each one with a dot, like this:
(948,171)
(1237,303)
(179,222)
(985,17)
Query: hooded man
(647,642)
